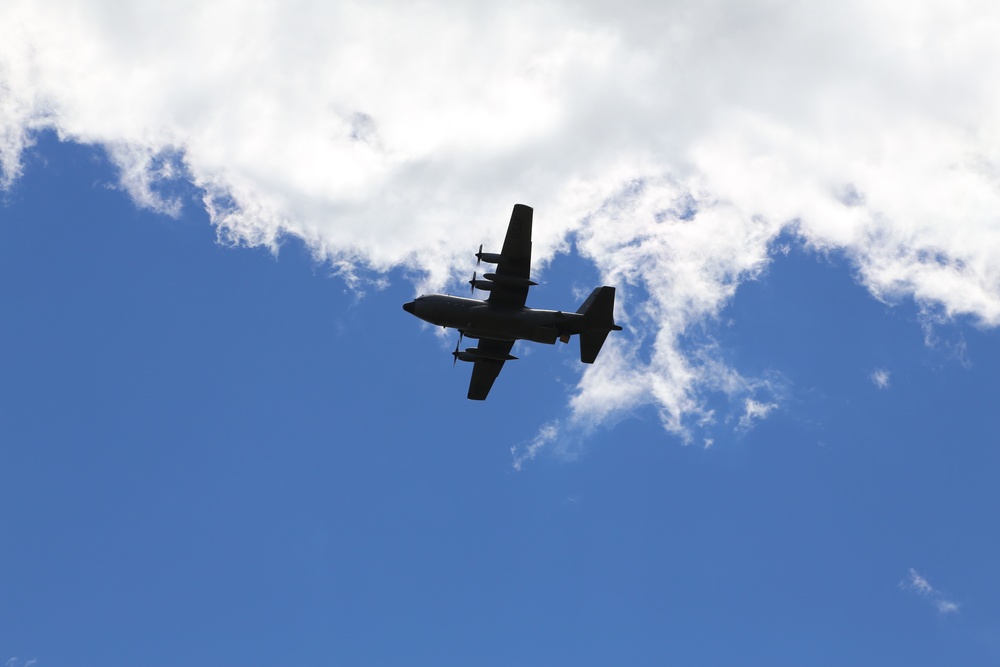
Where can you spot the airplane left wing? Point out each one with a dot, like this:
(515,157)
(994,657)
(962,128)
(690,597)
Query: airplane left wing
(511,280)
(485,371)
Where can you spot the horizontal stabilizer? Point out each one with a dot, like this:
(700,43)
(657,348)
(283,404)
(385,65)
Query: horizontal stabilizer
(590,345)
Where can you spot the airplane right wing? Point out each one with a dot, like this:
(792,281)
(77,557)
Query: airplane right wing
(485,371)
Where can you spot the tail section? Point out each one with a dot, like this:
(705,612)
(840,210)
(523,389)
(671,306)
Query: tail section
(598,313)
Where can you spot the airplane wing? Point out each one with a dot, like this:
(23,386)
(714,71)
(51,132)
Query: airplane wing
(485,371)
(515,264)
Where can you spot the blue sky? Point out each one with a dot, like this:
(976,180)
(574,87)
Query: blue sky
(214,455)
(222,441)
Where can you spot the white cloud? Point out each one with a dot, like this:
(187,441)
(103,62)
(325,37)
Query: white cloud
(918,584)
(522,454)
(946,606)
(880,378)
(13,662)
(675,140)
(753,411)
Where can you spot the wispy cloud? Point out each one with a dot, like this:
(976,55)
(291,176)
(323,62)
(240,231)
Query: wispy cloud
(674,142)
(754,411)
(921,586)
(880,378)
(15,661)
(946,606)
(524,453)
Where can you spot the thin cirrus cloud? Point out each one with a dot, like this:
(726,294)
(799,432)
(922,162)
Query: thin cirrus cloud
(918,584)
(673,143)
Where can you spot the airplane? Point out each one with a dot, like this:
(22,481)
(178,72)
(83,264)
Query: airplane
(503,318)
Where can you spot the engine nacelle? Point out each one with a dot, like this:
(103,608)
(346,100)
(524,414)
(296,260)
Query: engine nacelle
(475,354)
(489,257)
(509,280)
(465,356)
(484,285)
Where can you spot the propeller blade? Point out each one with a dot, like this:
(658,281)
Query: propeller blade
(472,283)
(455,353)
(479,257)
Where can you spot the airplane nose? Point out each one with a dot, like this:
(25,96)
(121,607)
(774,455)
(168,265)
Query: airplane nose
(408,307)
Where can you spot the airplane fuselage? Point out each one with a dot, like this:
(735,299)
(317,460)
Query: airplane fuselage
(478,319)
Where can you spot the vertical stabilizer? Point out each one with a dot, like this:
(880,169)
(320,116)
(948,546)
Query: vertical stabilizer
(598,313)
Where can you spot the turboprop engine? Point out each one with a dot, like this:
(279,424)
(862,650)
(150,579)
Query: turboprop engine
(488,257)
(474,354)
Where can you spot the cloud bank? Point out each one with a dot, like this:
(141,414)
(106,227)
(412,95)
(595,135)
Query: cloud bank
(671,142)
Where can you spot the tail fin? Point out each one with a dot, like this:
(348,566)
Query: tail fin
(598,313)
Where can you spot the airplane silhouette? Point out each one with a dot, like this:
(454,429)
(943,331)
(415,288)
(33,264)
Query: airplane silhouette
(503,318)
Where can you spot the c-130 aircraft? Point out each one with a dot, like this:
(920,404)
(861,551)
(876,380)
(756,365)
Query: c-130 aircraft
(503,318)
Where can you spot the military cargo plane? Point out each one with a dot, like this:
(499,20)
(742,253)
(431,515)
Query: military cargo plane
(503,318)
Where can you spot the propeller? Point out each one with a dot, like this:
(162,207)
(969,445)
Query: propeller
(472,282)
(461,334)
(479,255)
